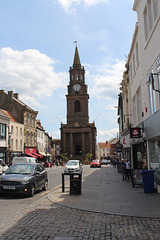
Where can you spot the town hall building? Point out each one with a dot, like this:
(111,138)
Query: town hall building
(78,136)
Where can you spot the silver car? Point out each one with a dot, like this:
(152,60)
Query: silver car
(73,166)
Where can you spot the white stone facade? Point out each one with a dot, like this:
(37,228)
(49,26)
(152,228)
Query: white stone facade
(141,102)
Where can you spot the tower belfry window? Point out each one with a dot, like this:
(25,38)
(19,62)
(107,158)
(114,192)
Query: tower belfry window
(76,76)
(77,106)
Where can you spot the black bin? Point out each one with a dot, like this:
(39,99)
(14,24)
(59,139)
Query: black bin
(75,183)
(148,180)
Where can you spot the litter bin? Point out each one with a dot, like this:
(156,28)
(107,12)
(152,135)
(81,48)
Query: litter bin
(75,183)
(148,180)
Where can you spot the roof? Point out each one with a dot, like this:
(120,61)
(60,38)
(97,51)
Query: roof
(9,115)
(104,145)
(114,140)
(76,62)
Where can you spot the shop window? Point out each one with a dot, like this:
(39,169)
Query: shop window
(151,99)
(2,156)
(154,154)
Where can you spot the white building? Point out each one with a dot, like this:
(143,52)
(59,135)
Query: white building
(4,125)
(16,136)
(140,97)
(103,150)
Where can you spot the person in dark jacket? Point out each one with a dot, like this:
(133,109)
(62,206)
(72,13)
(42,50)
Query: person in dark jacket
(123,167)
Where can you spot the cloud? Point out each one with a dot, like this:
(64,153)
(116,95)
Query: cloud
(106,84)
(104,135)
(55,135)
(66,4)
(29,73)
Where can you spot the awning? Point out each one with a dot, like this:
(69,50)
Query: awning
(31,155)
(37,155)
(45,154)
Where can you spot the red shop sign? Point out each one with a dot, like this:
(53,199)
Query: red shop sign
(135,133)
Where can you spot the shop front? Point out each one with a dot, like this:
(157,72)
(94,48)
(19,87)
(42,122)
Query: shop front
(125,141)
(152,137)
(3,154)
(32,152)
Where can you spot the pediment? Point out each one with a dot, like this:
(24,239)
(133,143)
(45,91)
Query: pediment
(78,124)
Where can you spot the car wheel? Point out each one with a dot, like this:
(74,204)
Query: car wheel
(32,191)
(45,186)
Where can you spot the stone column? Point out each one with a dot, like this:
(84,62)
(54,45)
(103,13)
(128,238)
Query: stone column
(90,142)
(64,142)
(71,144)
(83,145)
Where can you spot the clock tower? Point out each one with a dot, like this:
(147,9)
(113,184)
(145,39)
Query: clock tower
(78,136)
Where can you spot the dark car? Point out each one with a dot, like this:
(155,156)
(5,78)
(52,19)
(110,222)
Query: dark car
(95,163)
(24,178)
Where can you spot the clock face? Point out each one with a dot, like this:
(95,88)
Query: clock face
(76,87)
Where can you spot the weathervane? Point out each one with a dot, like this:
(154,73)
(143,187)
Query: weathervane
(75,43)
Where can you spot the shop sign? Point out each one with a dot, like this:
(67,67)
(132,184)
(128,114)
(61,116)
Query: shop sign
(125,141)
(135,133)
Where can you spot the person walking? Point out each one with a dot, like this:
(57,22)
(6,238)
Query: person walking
(128,169)
(123,167)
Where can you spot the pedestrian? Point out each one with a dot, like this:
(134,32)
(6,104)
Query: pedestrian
(114,163)
(123,167)
(50,164)
(128,169)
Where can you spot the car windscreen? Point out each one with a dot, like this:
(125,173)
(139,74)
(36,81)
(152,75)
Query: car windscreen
(20,169)
(72,163)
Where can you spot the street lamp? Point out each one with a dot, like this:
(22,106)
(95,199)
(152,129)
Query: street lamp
(9,146)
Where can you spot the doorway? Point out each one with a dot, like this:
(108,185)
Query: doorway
(78,150)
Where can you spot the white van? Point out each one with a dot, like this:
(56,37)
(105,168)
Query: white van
(24,160)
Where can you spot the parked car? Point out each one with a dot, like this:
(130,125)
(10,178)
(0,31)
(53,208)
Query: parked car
(95,163)
(108,161)
(24,178)
(73,166)
(3,166)
(24,160)
(104,162)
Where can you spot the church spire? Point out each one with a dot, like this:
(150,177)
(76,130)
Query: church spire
(76,62)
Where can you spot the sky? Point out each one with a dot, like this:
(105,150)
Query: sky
(37,49)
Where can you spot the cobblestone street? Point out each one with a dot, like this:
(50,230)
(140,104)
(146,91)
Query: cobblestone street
(47,220)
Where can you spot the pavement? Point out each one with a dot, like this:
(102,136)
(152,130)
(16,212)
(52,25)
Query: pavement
(107,209)
(109,194)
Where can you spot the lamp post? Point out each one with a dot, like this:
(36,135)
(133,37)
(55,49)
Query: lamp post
(9,146)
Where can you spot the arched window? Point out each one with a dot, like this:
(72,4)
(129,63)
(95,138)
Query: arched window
(77,106)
